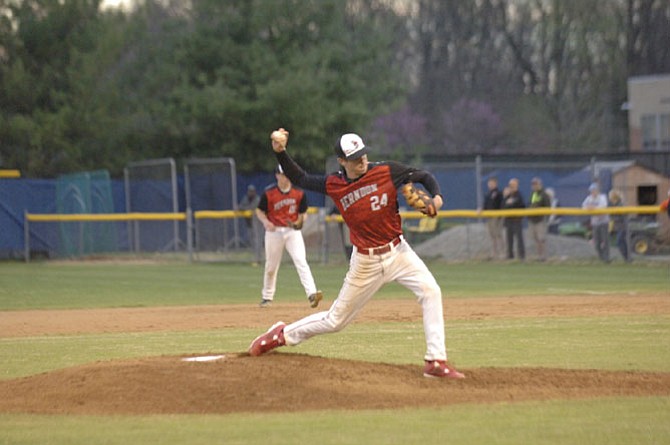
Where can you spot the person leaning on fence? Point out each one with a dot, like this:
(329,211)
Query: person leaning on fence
(537,225)
(620,225)
(599,223)
(493,201)
(512,199)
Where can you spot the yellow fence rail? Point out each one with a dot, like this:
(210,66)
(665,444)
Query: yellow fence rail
(105,217)
(9,173)
(564,211)
(223,214)
(227,214)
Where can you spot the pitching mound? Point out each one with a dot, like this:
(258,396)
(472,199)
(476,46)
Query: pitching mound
(293,382)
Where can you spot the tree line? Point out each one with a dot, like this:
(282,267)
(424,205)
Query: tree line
(85,88)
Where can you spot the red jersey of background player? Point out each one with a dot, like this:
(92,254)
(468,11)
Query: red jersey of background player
(281,207)
(368,204)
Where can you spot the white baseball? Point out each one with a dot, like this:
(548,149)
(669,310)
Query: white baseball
(279,136)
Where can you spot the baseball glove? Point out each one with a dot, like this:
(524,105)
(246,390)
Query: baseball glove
(297,224)
(419,200)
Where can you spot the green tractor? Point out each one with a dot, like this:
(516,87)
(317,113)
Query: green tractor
(643,234)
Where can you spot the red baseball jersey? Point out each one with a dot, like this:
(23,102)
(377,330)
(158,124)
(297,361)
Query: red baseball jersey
(281,207)
(369,204)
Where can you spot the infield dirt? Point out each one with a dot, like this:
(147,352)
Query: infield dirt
(294,382)
(188,318)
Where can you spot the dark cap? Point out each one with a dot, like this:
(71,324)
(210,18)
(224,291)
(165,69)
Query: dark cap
(350,146)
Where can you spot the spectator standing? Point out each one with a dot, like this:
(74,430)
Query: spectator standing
(249,201)
(554,220)
(494,201)
(537,225)
(599,223)
(514,224)
(620,226)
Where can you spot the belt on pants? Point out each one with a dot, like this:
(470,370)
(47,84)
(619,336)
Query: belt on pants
(386,248)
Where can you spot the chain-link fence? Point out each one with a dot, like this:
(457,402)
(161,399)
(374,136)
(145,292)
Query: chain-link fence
(211,184)
(210,227)
(151,187)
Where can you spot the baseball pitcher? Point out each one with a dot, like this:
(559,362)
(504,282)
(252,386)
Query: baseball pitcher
(366,194)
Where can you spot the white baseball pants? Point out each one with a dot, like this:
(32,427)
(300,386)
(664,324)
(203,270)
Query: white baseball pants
(366,275)
(275,242)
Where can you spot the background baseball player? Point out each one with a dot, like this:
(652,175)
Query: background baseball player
(282,210)
(366,196)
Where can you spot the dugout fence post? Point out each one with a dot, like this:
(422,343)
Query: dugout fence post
(189,234)
(175,203)
(129,224)
(189,214)
(26,237)
(626,218)
(324,242)
(478,182)
(236,229)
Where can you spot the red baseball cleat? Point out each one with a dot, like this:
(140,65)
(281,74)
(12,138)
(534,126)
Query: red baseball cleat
(441,369)
(273,338)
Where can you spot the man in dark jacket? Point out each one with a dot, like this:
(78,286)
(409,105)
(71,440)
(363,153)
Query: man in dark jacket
(493,201)
(537,225)
(512,199)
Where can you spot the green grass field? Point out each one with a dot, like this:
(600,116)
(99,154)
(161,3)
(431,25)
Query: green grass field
(608,342)
(81,285)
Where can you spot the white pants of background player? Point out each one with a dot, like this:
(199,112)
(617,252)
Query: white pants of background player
(275,242)
(367,274)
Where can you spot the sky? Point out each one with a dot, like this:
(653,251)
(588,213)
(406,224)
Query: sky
(115,3)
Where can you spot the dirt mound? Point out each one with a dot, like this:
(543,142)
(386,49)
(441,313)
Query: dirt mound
(293,382)
(471,241)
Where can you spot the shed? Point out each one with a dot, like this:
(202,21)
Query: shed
(639,185)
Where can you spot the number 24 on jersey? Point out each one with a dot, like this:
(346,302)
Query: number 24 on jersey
(377,202)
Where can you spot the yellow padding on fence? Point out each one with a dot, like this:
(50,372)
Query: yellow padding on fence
(222,214)
(544,211)
(9,174)
(225,214)
(106,217)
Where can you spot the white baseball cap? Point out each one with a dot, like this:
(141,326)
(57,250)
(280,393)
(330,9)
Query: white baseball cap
(350,146)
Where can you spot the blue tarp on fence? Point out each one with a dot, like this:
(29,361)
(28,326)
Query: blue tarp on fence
(18,196)
(459,186)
